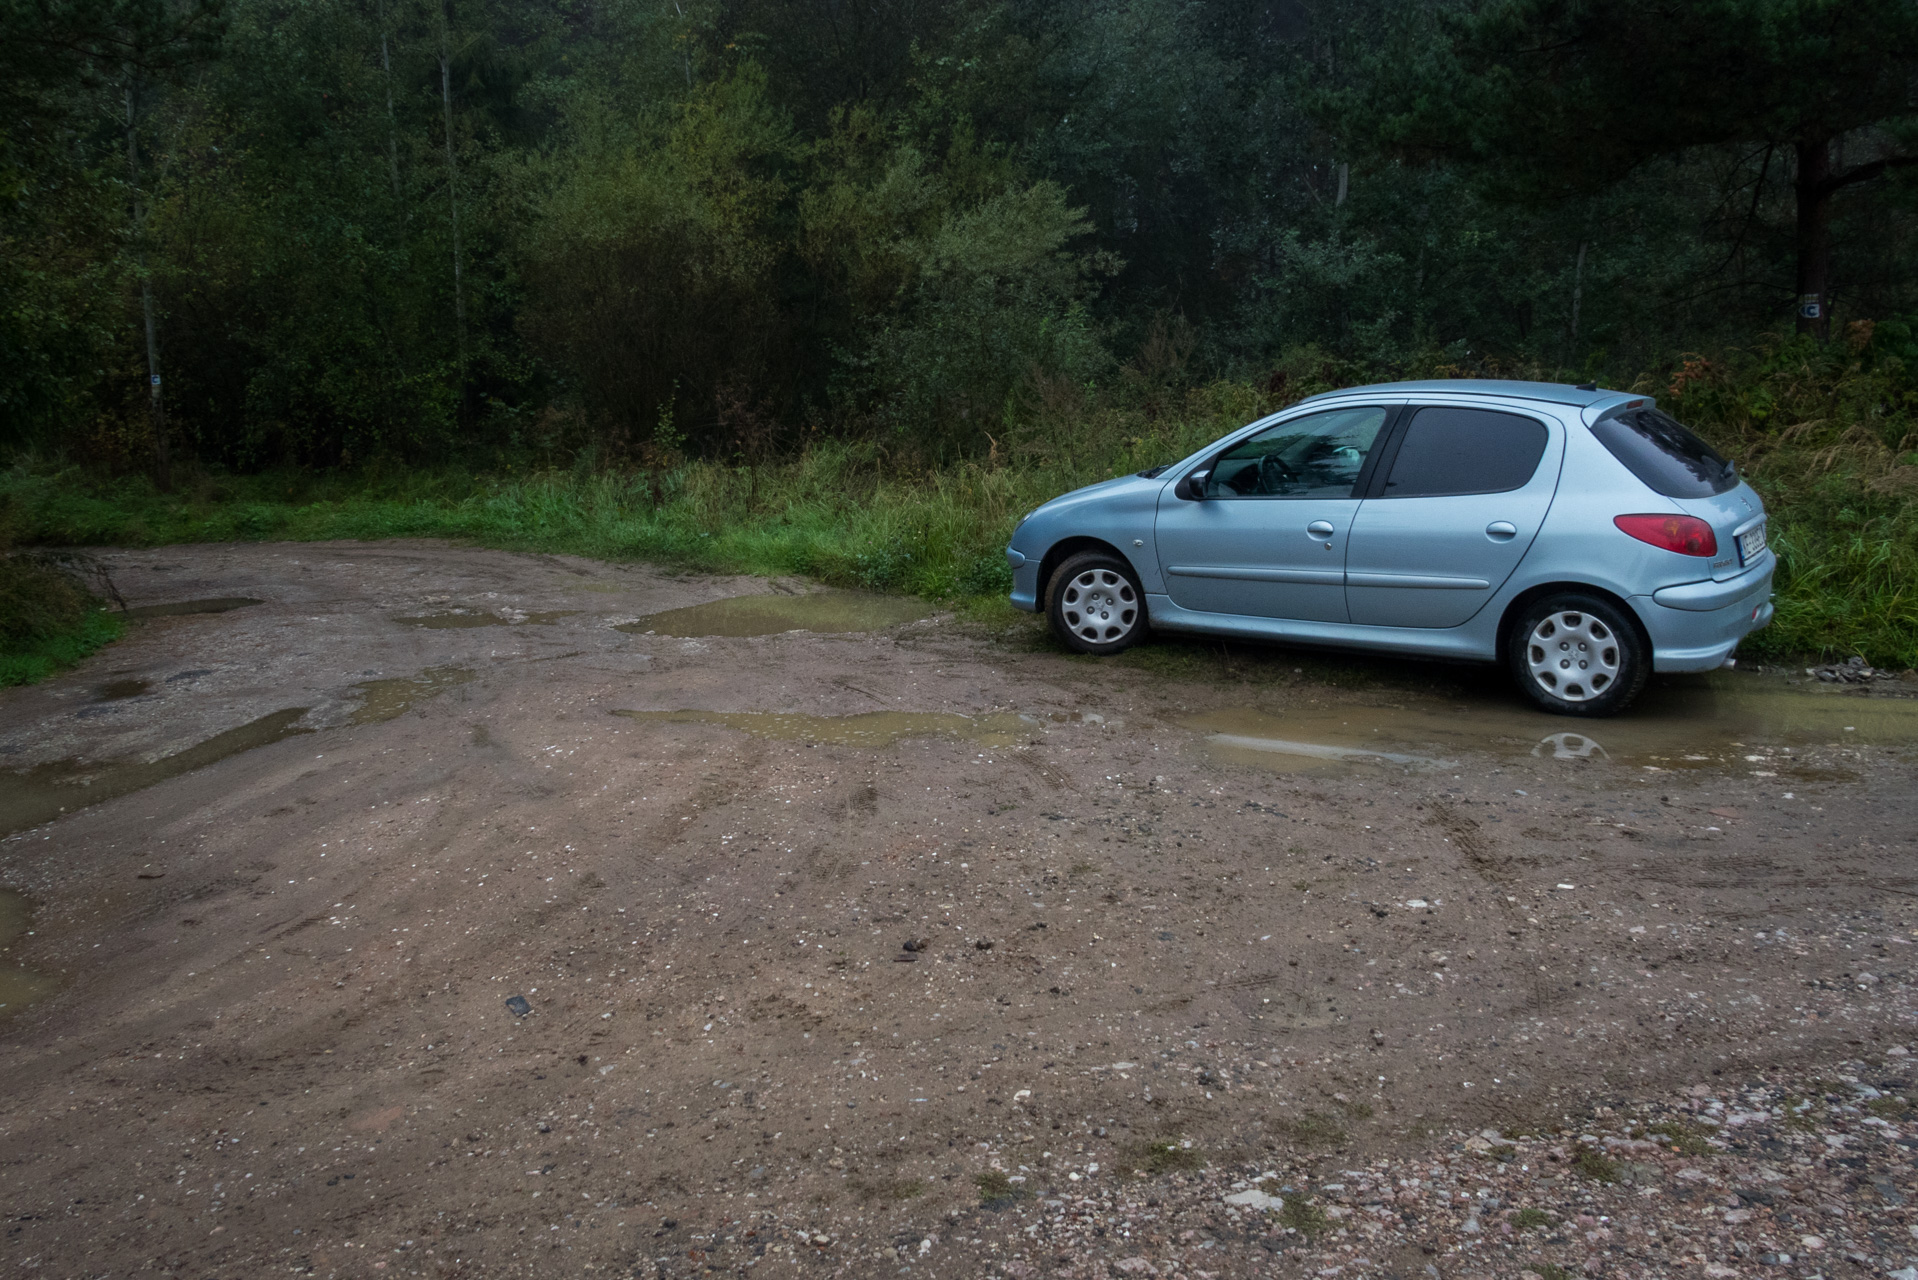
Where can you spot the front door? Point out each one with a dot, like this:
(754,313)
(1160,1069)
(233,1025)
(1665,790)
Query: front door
(1465,493)
(1268,539)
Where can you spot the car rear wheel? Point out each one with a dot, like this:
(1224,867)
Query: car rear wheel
(1095,605)
(1578,655)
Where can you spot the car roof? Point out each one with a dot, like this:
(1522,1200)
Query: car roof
(1552,392)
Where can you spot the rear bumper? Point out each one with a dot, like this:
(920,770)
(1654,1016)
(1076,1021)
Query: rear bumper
(1700,627)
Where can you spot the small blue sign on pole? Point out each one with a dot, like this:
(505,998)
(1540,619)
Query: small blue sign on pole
(154,379)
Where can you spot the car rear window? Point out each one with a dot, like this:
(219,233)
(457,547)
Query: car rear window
(1448,451)
(1667,457)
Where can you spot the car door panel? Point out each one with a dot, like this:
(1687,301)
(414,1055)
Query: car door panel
(1269,540)
(1433,560)
(1256,557)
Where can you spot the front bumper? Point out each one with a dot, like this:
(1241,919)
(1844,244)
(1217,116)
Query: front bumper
(1025,581)
(1686,637)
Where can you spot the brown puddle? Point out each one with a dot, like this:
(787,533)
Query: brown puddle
(46,791)
(19,986)
(1722,721)
(867,729)
(178,608)
(829,612)
(460,620)
(115,690)
(382,700)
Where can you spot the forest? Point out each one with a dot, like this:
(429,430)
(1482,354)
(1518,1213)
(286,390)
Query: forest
(843,287)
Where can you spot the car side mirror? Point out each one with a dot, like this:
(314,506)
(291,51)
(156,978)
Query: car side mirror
(1192,488)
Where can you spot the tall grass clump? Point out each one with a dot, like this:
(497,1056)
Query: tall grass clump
(864,513)
(1828,435)
(52,611)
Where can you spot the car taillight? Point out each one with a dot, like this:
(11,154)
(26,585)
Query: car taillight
(1687,535)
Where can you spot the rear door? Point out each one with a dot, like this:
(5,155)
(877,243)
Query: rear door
(1268,540)
(1463,494)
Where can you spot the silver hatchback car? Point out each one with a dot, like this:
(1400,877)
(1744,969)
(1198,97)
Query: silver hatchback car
(1581,537)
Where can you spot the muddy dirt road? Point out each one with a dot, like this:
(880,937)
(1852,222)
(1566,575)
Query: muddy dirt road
(433,911)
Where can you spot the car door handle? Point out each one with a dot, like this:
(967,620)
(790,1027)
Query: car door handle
(1501,531)
(1320,529)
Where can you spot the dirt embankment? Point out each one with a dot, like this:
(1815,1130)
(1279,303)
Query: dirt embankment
(906,946)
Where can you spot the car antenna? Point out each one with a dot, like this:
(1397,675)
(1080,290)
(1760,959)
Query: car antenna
(1586,386)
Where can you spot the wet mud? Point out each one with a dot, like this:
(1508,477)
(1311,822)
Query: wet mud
(459,620)
(19,985)
(184,608)
(1748,724)
(830,612)
(34,796)
(871,729)
(383,700)
(535,959)
(118,690)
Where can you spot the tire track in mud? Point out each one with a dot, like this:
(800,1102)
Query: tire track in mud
(1482,857)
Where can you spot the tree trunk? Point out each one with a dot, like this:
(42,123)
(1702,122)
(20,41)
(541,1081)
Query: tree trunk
(453,190)
(1578,295)
(1814,191)
(156,404)
(392,122)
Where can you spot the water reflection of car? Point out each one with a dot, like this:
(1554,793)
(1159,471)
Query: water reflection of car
(1580,537)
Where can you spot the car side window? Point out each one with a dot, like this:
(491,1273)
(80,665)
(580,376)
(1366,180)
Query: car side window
(1446,452)
(1317,456)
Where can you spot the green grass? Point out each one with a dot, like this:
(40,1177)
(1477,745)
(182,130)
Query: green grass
(1528,1218)
(1314,1129)
(1595,1164)
(35,660)
(1161,1156)
(998,1189)
(51,612)
(1682,1136)
(845,514)
(1826,434)
(1304,1217)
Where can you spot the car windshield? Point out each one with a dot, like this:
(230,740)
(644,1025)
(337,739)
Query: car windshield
(1665,455)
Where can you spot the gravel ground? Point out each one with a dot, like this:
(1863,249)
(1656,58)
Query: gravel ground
(428,911)
(1807,1177)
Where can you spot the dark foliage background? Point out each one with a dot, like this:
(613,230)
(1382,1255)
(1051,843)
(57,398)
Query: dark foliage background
(628,231)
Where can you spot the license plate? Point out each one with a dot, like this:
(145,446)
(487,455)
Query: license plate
(1750,543)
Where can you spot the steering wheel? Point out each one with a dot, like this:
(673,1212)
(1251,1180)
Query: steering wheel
(1274,473)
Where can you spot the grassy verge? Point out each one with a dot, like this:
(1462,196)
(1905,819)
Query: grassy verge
(1829,435)
(1825,433)
(847,514)
(50,615)
(32,662)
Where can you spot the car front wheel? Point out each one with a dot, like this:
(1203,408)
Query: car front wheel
(1095,605)
(1578,655)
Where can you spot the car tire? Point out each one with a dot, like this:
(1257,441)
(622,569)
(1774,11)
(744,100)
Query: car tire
(1576,654)
(1095,604)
